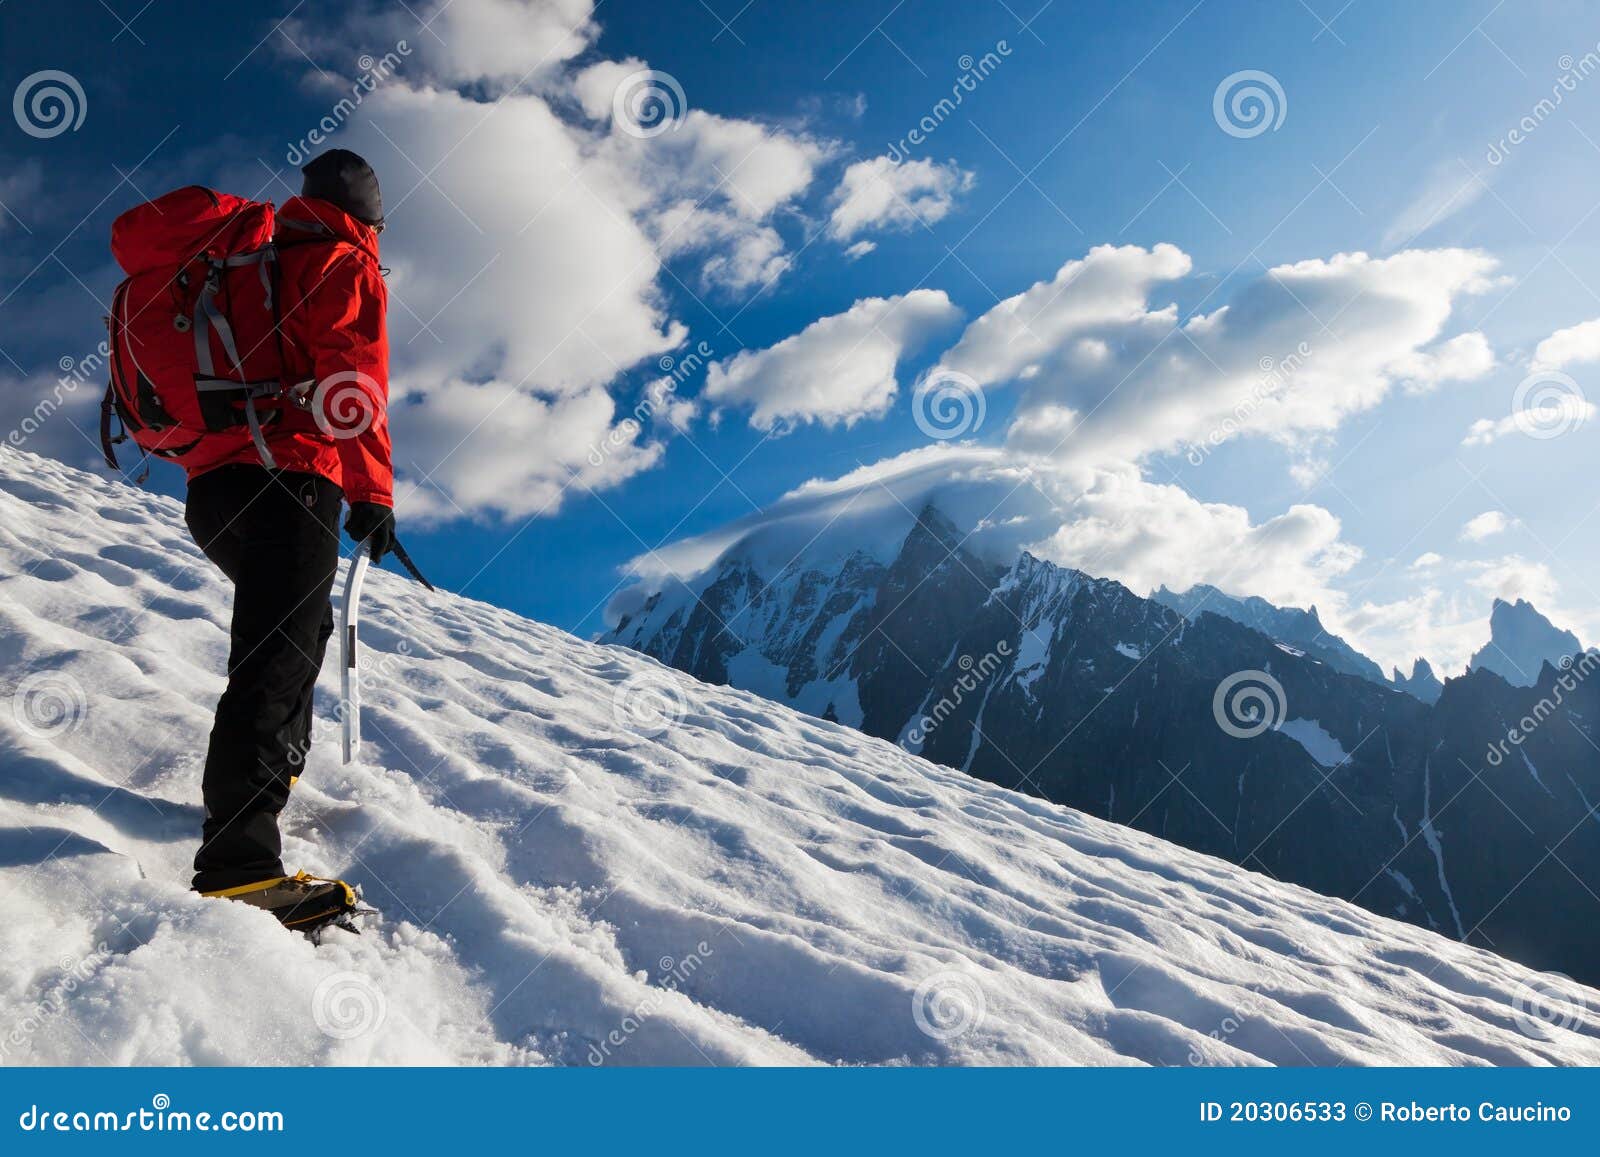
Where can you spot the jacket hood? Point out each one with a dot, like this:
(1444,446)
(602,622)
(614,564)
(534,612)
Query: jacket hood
(314,217)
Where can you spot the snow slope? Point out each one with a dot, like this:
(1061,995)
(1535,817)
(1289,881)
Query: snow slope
(584,857)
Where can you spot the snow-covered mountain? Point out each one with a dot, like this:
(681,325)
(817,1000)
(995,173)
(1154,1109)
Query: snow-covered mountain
(1187,724)
(1521,641)
(1298,628)
(584,857)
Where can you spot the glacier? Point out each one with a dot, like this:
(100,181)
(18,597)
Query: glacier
(583,857)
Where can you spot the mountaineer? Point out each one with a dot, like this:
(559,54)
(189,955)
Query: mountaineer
(250,347)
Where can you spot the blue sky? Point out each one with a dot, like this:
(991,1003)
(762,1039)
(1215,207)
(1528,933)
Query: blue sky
(523,213)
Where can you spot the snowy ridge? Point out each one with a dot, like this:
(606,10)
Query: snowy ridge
(565,881)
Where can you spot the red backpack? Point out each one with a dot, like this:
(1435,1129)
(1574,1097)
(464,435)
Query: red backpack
(194,341)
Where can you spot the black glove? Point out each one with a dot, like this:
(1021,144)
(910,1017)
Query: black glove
(373,524)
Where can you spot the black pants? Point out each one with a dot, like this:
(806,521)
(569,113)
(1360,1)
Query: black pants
(275,534)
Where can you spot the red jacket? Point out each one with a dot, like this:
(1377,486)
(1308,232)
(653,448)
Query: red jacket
(333,305)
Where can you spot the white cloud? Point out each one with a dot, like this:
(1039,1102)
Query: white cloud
(1442,627)
(703,184)
(528,239)
(1558,410)
(1147,534)
(665,409)
(496,44)
(838,369)
(1448,618)
(737,253)
(1487,525)
(1463,358)
(1117,524)
(1448,190)
(1514,577)
(510,281)
(882,194)
(1486,430)
(1111,523)
(860,249)
(1109,377)
(492,446)
(1578,343)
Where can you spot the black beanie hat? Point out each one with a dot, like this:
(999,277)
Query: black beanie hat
(346,180)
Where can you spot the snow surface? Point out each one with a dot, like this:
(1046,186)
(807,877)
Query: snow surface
(1314,737)
(584,857)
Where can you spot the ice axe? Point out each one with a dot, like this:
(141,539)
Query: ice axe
(349,621)
(349,682)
